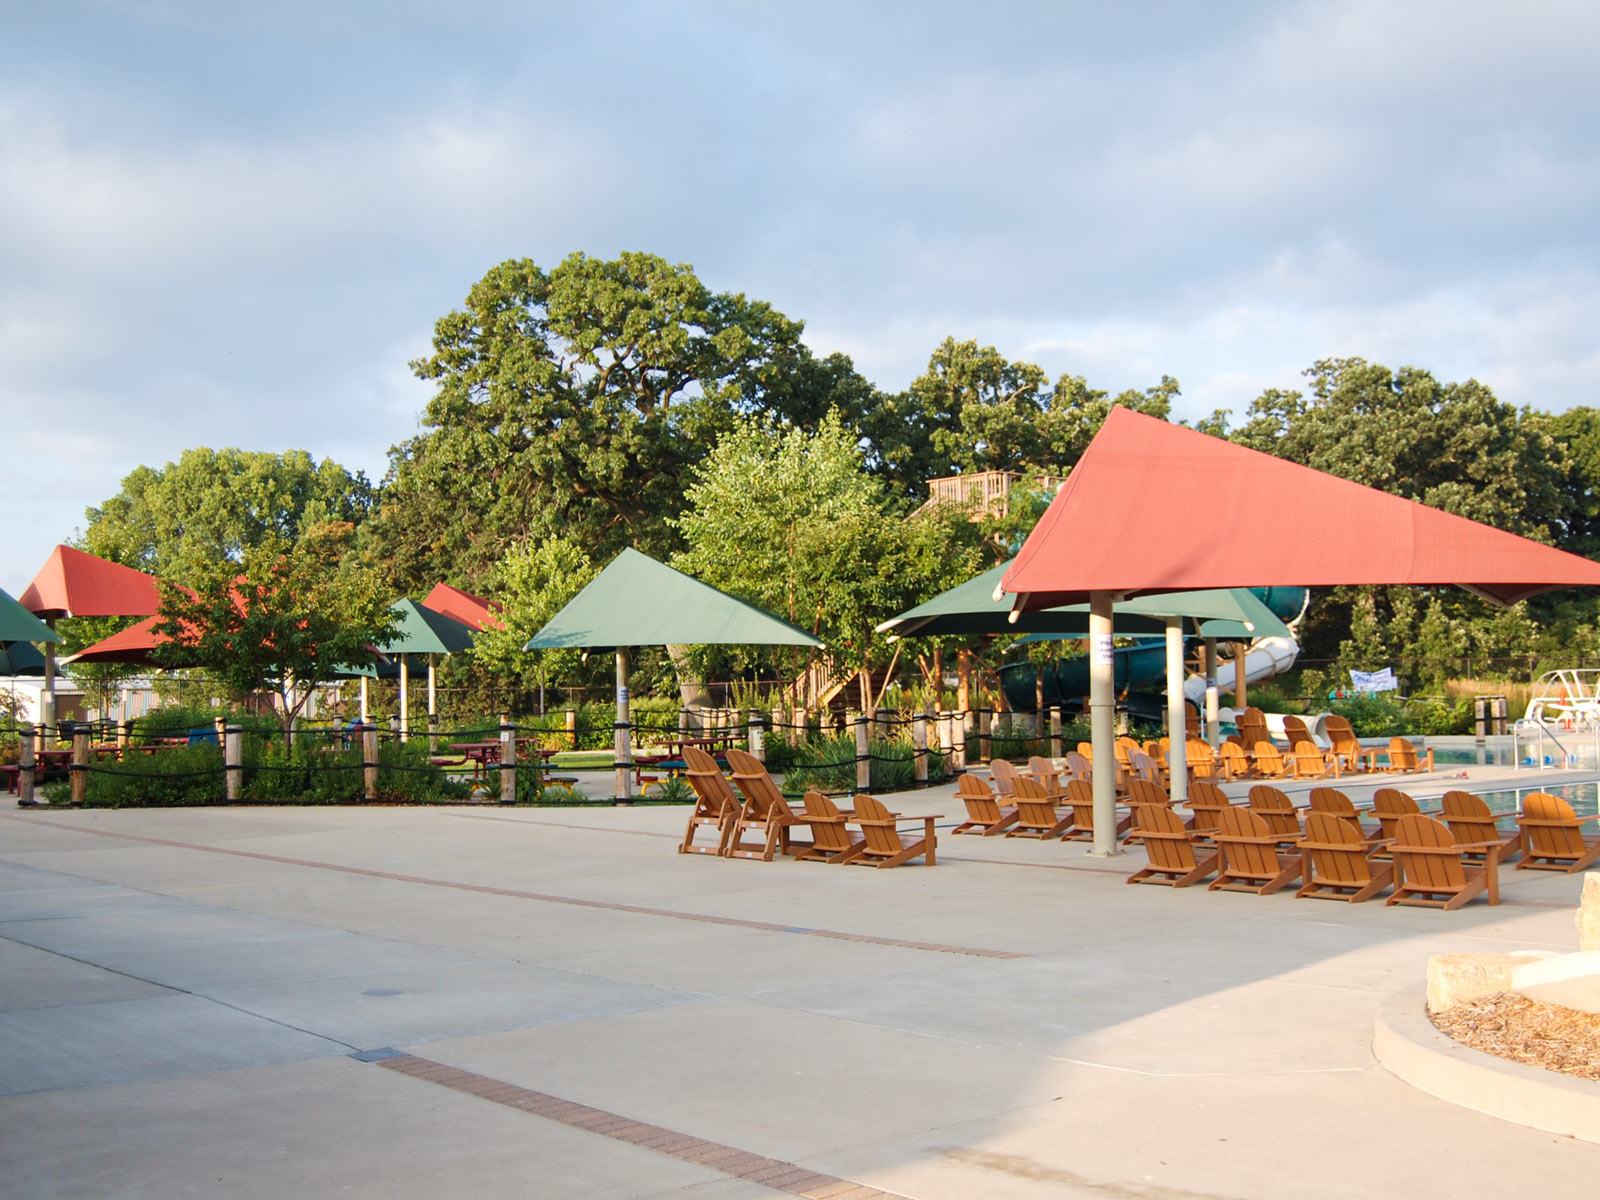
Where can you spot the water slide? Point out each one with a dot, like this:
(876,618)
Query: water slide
(1143,667)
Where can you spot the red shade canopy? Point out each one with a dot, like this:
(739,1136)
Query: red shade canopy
(75,584)
(470,610)
(133,645)
(1154,507)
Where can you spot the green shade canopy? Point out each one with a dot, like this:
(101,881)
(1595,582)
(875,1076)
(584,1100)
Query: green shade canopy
(20,658)
(423,631)
(637,601)
(17,624)
(1232,614)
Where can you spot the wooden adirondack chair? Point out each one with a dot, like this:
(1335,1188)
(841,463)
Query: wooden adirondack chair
(1037,814)
(715,802)
(1428,867)
(1309,761)
(1202,762)
(1352,754)
(1270,764)
(1078,767)
(1334,862)
(1335,803)
(1206,802)
(765,811)
(1236,762)
(1252,727)
(1250,860)
(1294,728)
(885,845)
(1552,837)
(831,839)
(1142,766)
(1276,811)
(1003,773)
(1142,792)
(1171,848)
(984,812)
(1047,774)
(1470,820)
(1080,826)
(1388,806)
(1403,757)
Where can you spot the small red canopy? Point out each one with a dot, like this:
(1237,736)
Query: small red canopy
(1155,507)
(133,645)
(75,584)
(470,610)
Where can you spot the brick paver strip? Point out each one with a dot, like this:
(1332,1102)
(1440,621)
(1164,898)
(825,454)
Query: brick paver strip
(729,1160)
(541,897)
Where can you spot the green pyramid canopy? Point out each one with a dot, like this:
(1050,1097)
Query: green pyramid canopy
(637,601)
(17,624)
(423,631)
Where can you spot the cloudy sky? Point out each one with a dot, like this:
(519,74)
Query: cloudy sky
(225,222)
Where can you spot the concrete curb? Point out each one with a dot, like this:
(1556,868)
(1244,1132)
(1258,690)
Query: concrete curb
(1414,1051)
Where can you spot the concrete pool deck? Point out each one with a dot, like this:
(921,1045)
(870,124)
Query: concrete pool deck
(484,1001)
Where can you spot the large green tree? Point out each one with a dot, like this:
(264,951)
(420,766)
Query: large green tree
(792,521)
(213,505)
(574,400)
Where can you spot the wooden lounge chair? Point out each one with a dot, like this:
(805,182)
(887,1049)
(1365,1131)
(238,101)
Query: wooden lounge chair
(1388,806)
(1335,803)
(1236,762)
(1309,761)
(1294,728)
(765,811)
(1470,820)
(1047,773)
(1080,796)
(831,840)
(1002,773)
(984,813)
(1276,811)
(715,802)
(1252,727)
(1334,862)
(1078,767)
(1173,860)
(1143,792)
(1037,814)
(1206,802)
(1142,766)
(1403,757)
(1270,764)
(1552,837)
(1202,761)
(1250,861)
(885,845)
(1353,756)
(1429,870)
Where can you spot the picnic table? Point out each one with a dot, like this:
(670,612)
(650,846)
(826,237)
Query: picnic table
(487,754)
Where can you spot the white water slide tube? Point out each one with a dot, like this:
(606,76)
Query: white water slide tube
(1267,657)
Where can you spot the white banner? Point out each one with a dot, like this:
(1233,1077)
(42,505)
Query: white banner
(1374,681)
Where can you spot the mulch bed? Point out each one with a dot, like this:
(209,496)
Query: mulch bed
(1542,1035)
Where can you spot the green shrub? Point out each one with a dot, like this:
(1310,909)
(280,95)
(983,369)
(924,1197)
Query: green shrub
(829,765)
(182,775)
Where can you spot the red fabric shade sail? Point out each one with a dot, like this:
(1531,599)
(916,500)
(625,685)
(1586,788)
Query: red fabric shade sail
(75,584)
(1154,507)
(470,610)
(133,645)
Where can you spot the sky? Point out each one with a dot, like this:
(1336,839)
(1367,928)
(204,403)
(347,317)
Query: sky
(226,223)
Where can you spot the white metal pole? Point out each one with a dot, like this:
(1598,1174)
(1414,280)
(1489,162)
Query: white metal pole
(1177,716)
(433,673)
(363,699)
(405,701)
(1213,705)
(1102,726)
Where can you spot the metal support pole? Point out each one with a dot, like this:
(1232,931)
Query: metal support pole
(623,733)
(1213,707)
(863,752)
(1241,685)
(405,699)
(1177,717)
(1102,725)
(364,704)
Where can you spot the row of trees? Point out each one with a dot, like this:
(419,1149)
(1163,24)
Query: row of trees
(601,404)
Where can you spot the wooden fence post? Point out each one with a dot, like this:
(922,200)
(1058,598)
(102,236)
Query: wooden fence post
(80,764)
(919,743)
(369,761)
(1055,732)
(758,737)
(958,749)
(233,759)
(508,760)
(433,733)
(25,768)
(947,740)
(572,726)
(863,755)
(985,731)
